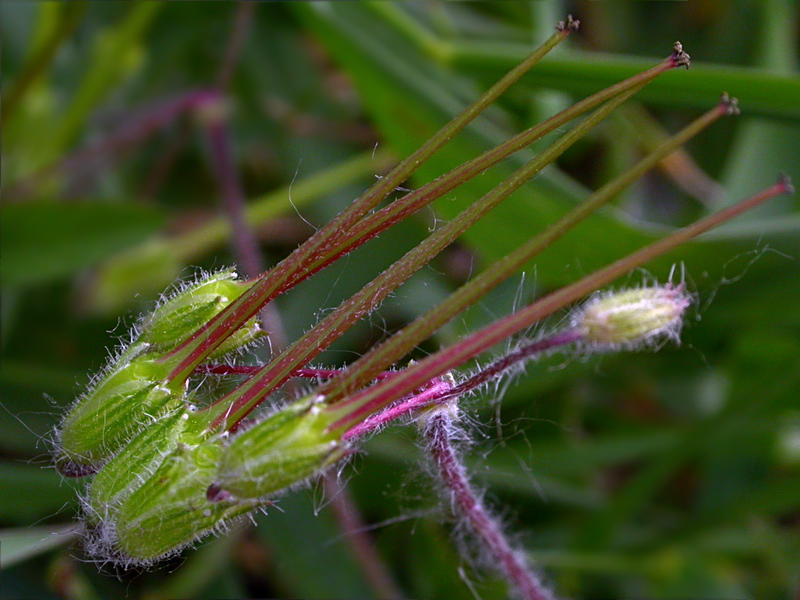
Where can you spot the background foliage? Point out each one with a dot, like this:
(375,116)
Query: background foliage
(674,474)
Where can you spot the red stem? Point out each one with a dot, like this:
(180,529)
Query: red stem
(285,274)
(441,391)
(310,372)
(418,374)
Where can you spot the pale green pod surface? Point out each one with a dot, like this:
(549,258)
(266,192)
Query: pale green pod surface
(280,451)
(170,510)
(130,397)
(179,317)
(629,318)
(133,466)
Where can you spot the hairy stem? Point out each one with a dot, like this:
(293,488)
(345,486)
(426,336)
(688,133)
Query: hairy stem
(374,224)
(466,502)
(282,278)
(309,372)
(392,350)
(441,390)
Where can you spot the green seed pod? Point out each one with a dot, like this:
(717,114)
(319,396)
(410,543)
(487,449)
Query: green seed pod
(128,398)
(170,510)
(630,318)
(280,451)
(134,465)
(180,316)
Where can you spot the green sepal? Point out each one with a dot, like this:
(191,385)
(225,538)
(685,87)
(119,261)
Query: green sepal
(174,321)
(170,510)
(130,397)
(284,449)
(244,336)
(135,463)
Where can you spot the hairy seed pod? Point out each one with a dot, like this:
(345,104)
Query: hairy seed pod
(170,509)
(180,316)
(130,397)
(285,449)
(630,318)
(133,466)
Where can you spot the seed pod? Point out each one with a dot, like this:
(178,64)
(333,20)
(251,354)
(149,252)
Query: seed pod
(133,466)
(170,509)
(128,398)
(180,316)
(630,318)
(285,449)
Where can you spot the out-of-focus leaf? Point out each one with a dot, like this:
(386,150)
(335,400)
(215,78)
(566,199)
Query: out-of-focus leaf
(148,268)
(117,54)
(306,540)
(762,142)
(33,492)
(46,240)
(21,544)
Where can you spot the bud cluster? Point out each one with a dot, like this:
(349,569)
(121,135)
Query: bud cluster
(170,467)
(134,391)
(153,455)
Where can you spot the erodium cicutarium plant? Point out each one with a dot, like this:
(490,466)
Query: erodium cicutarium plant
(166,465)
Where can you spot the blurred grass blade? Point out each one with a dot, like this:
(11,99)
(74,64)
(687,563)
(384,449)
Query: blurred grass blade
(17,545)
(40,242)
(147,268)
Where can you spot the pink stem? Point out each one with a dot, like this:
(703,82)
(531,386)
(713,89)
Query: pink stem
(361,543)
(464,500)
(437,390)
(445,392)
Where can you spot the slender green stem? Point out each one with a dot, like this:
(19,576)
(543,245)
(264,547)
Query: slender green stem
(418,374)
(196,349)
(364,370)
(195,243)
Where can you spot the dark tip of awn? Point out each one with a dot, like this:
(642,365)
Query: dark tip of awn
(569,25)
(786,182)
(67,468)
(679,56)
(730,104)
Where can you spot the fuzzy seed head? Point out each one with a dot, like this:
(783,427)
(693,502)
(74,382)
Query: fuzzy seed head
(129,469)
(169,510)
(632,318)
